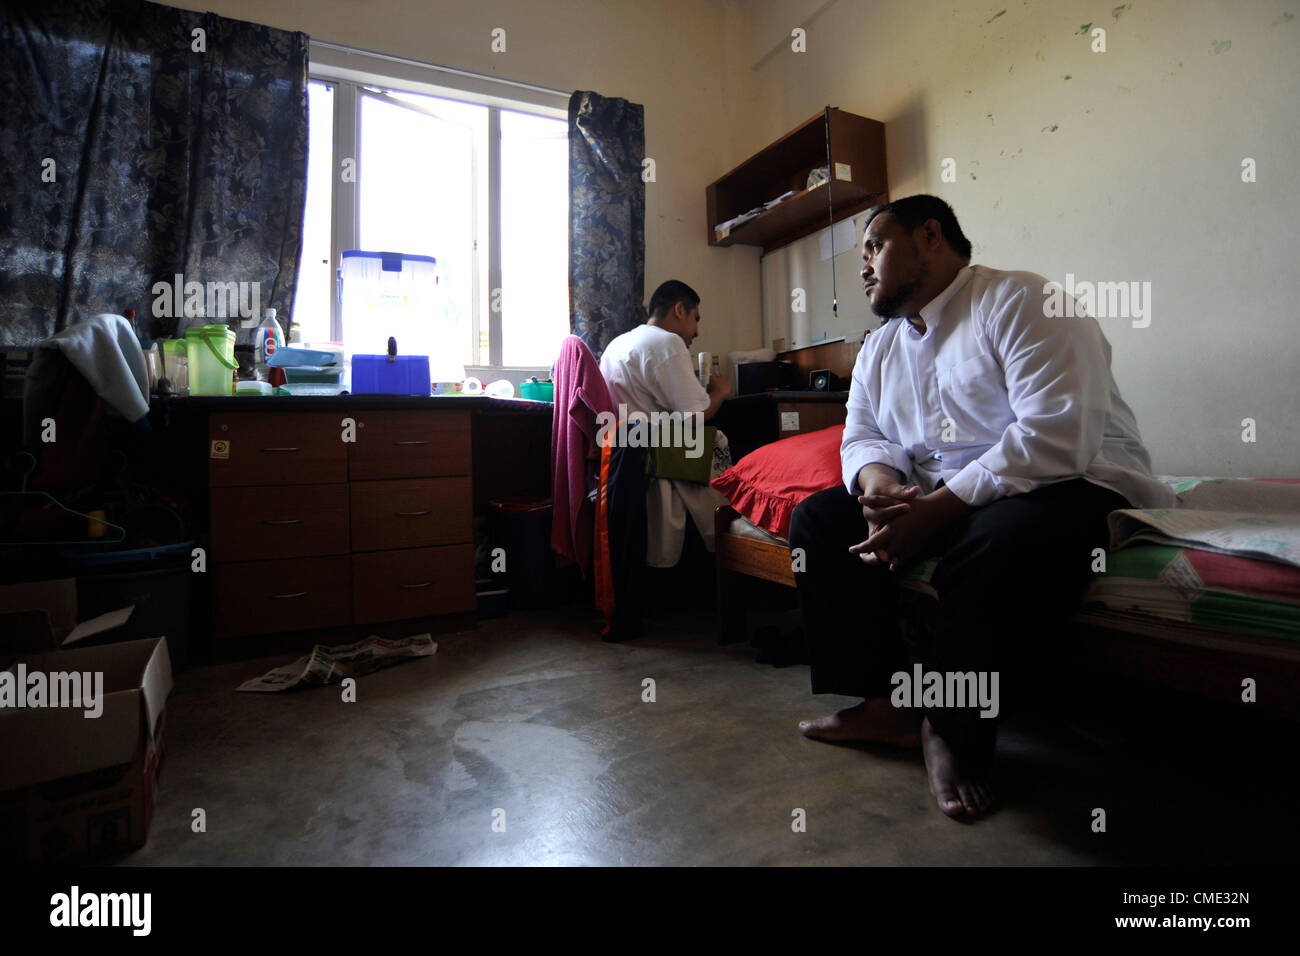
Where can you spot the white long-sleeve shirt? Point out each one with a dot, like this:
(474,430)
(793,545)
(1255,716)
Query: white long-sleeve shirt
(648,370)
(997,398)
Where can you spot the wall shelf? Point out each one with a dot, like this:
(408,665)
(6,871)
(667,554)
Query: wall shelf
(855,142)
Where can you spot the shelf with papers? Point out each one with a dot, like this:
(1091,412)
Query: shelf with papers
(851,147)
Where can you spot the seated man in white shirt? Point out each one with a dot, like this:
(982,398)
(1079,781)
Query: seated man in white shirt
(983,428)
(648,370)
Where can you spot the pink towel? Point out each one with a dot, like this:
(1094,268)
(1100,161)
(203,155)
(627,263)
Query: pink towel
(580,395)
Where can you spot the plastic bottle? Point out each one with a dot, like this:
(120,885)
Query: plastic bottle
(269,338)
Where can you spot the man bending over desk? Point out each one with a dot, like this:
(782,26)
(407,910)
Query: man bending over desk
(982,428)
(648,371)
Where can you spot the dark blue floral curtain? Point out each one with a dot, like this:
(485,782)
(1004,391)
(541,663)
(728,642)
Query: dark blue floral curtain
(142,142)
(606,218)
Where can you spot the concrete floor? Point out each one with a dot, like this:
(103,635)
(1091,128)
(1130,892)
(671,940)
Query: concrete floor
(535,716)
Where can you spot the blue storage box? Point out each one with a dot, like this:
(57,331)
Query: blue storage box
(396,375)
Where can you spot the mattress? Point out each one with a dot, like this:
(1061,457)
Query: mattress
(1171,584)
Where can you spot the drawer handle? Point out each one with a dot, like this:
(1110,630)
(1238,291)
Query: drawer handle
(281,521)
(282,597)
(412,514)
(281,449)
(415,586)
(410,443)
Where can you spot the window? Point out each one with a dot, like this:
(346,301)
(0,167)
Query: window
(534,237)
(401,162)
(416,179)
(311,303)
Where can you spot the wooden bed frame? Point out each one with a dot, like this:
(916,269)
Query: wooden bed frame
(1205,661)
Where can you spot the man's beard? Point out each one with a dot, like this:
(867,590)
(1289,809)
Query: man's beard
(888,308)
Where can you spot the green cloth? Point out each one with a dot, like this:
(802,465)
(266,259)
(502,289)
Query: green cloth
(674,463)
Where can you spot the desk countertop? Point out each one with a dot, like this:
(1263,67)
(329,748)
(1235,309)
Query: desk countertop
(331,403)
(790,395)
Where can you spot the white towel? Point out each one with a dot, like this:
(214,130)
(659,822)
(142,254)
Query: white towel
(105,350)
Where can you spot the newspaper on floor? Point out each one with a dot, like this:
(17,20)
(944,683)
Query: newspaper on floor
(330,665)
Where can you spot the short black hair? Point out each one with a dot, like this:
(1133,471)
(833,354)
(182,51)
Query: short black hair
(914,211)
(667,296)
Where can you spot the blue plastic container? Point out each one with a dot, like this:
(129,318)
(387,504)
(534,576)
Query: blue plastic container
(395,375)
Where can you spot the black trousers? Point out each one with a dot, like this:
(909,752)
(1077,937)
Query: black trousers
(1010,575)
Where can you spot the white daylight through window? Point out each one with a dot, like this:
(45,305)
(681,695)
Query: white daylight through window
(458,188)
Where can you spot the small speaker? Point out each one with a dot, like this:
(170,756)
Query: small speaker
(820,380)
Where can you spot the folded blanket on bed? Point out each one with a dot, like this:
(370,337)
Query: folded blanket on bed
(1203,588)
(1252,518)
(1236,494)
(1270,537)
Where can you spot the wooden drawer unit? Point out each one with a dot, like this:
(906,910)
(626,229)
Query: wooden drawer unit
(261,522)
(410,513)
(276,448)
(261,597)
(420,582)
(311,531)
(410,444)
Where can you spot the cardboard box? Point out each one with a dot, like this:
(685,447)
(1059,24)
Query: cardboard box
(42,615)
(73,786)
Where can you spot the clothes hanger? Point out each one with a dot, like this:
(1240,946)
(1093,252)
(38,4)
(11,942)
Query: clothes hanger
(42,499)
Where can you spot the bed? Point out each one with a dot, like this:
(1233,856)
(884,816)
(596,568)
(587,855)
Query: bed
(1172,607)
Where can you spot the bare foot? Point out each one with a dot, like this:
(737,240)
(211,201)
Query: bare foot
(961,794)
(873,721)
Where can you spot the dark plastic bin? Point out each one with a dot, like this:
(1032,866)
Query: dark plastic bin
(158,581)
(522,526)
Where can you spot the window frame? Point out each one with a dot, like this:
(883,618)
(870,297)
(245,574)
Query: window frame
(349,72)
